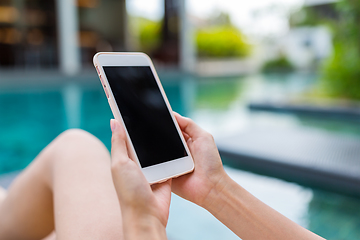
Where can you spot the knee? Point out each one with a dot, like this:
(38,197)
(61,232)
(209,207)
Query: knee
(76,135)
(77,141)
(73,150)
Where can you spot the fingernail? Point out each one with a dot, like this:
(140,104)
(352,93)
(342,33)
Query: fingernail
(112,125)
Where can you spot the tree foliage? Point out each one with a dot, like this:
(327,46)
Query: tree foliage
(341,73)
(281,65)
(149,34)
(220,38)
(221,41)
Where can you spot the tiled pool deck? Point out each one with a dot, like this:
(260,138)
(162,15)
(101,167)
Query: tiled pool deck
(306,156)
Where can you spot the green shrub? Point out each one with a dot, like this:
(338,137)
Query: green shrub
(216,41)
(280,64)
(341,73)
(221,41)
(149,34)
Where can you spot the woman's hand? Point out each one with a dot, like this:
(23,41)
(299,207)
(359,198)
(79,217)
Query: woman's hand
(210,187)
(209,175)
(145,208)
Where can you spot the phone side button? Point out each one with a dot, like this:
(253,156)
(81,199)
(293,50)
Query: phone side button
(106,91)
(97,69)
(101,80)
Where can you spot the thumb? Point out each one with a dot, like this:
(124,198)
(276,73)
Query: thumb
(118,142)
(130,184)
(189,126)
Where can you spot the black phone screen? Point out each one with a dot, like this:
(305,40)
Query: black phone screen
(145,114)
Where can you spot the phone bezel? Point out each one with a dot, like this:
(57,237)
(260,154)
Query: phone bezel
(155,173)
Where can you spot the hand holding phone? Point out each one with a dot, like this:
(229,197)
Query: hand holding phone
(209,170)
(144,208)
(138,101)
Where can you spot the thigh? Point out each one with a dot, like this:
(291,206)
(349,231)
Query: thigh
(85,201)
(69,188)
(27,210)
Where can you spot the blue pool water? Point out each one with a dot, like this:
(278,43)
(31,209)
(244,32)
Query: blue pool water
(30,119)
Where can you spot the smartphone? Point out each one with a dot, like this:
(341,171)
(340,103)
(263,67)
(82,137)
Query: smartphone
(138,101)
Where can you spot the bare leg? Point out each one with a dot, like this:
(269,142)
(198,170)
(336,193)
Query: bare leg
(70,181)
(3,194)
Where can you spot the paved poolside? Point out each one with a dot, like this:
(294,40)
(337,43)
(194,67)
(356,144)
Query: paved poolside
(310,157)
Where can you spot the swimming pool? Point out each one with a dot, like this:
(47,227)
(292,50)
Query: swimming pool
(30,119)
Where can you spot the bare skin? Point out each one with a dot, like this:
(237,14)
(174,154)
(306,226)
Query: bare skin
(70,181)
(245,215)
(211,188)
(69,187)
(145,208)
(73,182)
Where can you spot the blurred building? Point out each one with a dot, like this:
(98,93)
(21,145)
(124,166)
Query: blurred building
(37,34)
(307,42)
(65,34)
(307,46)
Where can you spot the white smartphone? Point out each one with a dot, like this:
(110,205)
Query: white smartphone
(138,101)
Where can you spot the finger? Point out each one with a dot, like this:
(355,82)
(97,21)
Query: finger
(158,187)
(189,126)
(162,191)
(186,136)
(118,142)
(131,186)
